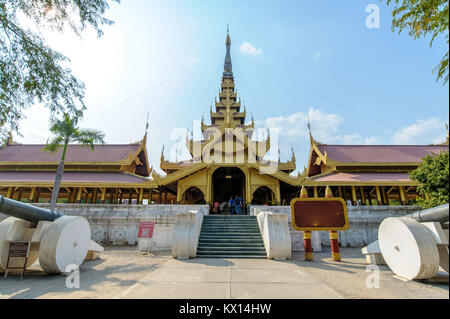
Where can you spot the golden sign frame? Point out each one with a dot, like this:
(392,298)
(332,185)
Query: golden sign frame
(344,205)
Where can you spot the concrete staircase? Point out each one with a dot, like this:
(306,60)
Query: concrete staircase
(230,236)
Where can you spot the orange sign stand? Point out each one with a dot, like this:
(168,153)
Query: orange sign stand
(320,214)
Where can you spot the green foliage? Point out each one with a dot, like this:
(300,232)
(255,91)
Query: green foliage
(420,18)
(30,71)
(65,131)
(432,176)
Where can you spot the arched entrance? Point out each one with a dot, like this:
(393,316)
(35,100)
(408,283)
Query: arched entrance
(227,182)
(263,196)
(193,195)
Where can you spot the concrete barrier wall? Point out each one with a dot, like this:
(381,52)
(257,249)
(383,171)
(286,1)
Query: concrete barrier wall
(363,224)
(186,233)
(119,224)
(276,236)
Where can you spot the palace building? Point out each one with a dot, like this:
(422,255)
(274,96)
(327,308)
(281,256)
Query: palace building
(108,174)
(366,174)
(226,162)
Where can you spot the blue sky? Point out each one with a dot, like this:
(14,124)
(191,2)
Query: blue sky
(290,58)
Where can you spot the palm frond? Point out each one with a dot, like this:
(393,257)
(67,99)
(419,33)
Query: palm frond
(89,137)
(54,145)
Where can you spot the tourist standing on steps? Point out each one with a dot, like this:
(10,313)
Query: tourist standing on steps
(216,208)
(237,204)
(241,204)
(231,204)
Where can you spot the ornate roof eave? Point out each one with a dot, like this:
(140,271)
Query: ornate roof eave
(170,178)
(310,182)
(240,114)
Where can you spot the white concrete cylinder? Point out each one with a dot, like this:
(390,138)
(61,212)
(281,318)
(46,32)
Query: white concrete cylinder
(66,242)
(408,248)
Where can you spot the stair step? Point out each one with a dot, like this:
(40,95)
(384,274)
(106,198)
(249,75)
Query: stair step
(248,245)
(238,253)
(233,256)
(230,236)
(231,240)
(228,248)
(230,233)
(236,238)
(230,224)
(236,229)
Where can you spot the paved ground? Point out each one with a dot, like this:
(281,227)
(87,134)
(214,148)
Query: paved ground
(126,273)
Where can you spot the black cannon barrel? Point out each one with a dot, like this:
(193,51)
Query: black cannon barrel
(435,214)
(26,212)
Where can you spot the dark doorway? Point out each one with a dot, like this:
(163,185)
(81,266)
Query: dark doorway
(263,196)
(227,182)
(193,195)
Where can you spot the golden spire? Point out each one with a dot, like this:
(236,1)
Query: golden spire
(328,192)
(162,154)
(303,192)
(228,41)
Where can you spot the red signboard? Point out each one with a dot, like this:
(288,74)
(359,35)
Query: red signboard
(310,214)
(146,229)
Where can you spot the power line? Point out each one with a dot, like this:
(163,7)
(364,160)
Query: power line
(250,93)
(206,92)
(339,103)
(151,88)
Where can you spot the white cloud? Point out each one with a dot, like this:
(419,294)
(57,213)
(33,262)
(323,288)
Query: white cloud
(316,56)
(326,128)
(248,48)
(421,132)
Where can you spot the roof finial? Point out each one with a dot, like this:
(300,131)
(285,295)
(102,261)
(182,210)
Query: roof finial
(228,70)
(146,129)
(311,138)
(162,154)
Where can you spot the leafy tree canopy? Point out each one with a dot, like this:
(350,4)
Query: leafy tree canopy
(30,71)
(433,179)
(421,18)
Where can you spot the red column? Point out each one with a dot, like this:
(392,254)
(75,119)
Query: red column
(307,234)
(335,254)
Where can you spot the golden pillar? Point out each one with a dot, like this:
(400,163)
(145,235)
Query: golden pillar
(141,196)
(354,198)
(150,195)
(208,195)
(379,200)
(32,194)
(10,192)
(340,192)
(401,190)
(103,198)
(130,196)
(79,193)
(363,197)
(278,193)
(94,196)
